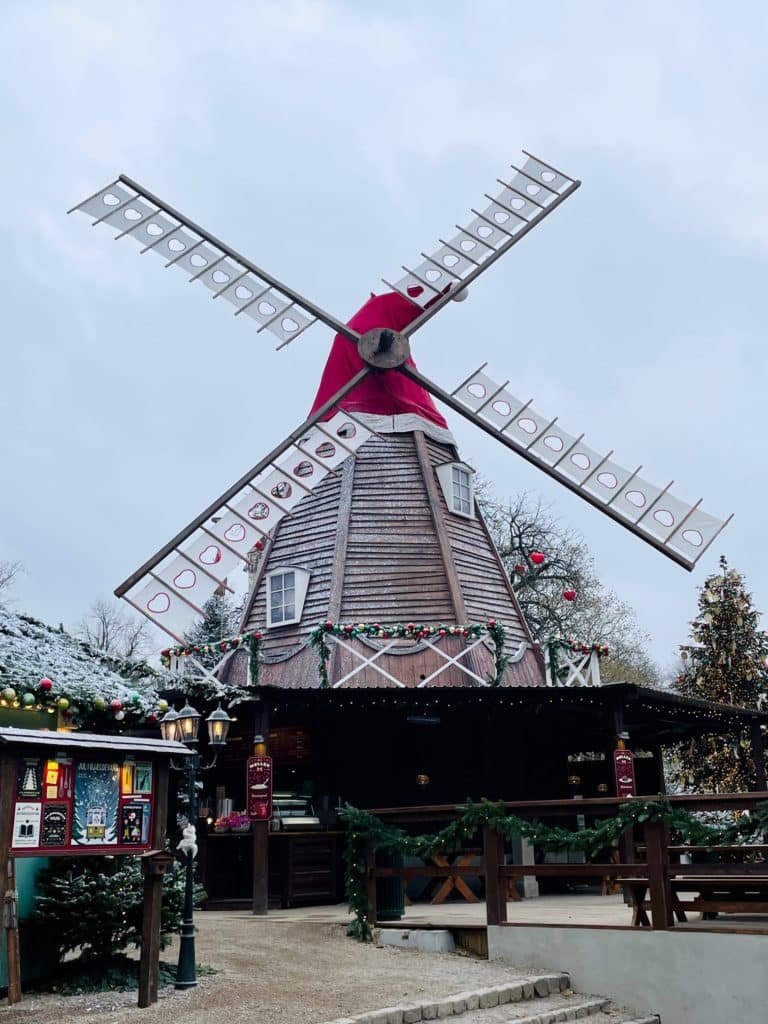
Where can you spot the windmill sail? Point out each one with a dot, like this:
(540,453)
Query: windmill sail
(680,530)
(172,588)
(530,195)
(159,229)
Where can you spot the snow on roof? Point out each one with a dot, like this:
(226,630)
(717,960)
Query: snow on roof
(30,650)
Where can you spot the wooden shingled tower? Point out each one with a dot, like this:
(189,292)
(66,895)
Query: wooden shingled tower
(395,536)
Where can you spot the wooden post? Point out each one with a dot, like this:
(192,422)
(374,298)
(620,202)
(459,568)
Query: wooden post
(758,755)
(149,961)
(657,846)
(370,882)
(495,890)
(8,898)
(260,894)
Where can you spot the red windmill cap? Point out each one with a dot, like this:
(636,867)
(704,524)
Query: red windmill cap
(384,393)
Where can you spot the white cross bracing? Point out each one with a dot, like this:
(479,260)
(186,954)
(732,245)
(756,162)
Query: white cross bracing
(581,669)
(369,661)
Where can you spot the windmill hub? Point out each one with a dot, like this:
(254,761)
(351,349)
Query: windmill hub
(383,348)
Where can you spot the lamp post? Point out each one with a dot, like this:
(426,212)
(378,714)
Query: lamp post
(183,726)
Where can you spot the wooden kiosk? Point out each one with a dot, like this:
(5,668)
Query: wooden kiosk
(81,794)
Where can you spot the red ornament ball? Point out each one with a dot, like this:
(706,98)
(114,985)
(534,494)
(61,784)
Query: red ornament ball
(46,684)
(116,705)
(537,557)
(519,569)
(569,595)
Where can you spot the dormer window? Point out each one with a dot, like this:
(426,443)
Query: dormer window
(286,590)
(457,482)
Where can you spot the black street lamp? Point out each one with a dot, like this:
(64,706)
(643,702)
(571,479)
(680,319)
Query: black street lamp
(183,726)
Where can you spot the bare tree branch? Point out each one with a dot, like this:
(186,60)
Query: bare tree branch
(523,526)
(109,629)
(8,573)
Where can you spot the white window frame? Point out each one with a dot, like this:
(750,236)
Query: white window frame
(300,585)
(445,476)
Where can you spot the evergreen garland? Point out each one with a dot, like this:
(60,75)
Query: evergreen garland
(365,828)
(251,641)
(409,631)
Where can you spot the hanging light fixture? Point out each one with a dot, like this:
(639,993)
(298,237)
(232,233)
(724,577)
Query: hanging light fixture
(169,725)
(218,723)
(188,724)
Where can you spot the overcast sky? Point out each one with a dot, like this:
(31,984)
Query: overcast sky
(332,142)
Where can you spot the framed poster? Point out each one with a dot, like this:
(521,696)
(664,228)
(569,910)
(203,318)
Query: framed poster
(30,779)
(142,777)
(97,800)
(26,825)
(55,830)
(134,823)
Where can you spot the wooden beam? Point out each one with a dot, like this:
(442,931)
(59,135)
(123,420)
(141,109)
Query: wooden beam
(428,475)
(8,900)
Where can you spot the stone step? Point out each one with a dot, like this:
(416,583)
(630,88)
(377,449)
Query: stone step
(536,999)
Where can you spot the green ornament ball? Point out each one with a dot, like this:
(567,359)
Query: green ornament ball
(162,705)
(100,704)
(134,697)
(9,694)
(62,703)
(27,700)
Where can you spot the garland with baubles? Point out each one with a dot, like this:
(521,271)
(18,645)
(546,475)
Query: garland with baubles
(251,641)
(365,828)
(579,647)
(46,695)
(409,631)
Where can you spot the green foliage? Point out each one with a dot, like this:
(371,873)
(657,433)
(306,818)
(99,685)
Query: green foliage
(365,828)
(94,905)
(222,618)
(726,662)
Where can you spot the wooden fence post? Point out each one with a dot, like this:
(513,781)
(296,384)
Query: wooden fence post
(657,847)
(495,888)
(370,881)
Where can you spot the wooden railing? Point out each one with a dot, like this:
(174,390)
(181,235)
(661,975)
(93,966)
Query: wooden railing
(656,874)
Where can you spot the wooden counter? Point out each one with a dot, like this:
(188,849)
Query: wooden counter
(304,867)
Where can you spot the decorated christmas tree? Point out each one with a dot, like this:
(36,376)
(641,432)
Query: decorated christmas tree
(726,662)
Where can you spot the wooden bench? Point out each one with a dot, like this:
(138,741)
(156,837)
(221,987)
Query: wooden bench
(715,894)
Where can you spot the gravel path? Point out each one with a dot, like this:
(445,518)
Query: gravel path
(276,973)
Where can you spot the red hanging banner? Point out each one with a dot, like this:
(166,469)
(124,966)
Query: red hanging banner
(259,787)
(624,767)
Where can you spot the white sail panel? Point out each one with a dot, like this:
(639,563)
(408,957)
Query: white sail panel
(525,198)
(188,580)
(163,606)
(677,527)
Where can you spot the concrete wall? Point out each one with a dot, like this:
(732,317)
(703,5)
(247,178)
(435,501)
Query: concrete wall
(687,977)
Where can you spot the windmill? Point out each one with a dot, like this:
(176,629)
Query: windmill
(371,385)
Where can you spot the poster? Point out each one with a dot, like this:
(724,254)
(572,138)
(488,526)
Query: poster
(624,765)
(97,797)
(142,777)
(30,782)
(134,823)
(55,825)
(259,788)
(26,825)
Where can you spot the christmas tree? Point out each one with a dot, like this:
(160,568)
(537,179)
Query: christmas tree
(727,663)
(222,619)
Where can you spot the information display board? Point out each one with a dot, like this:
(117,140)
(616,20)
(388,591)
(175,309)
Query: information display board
(68,804)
